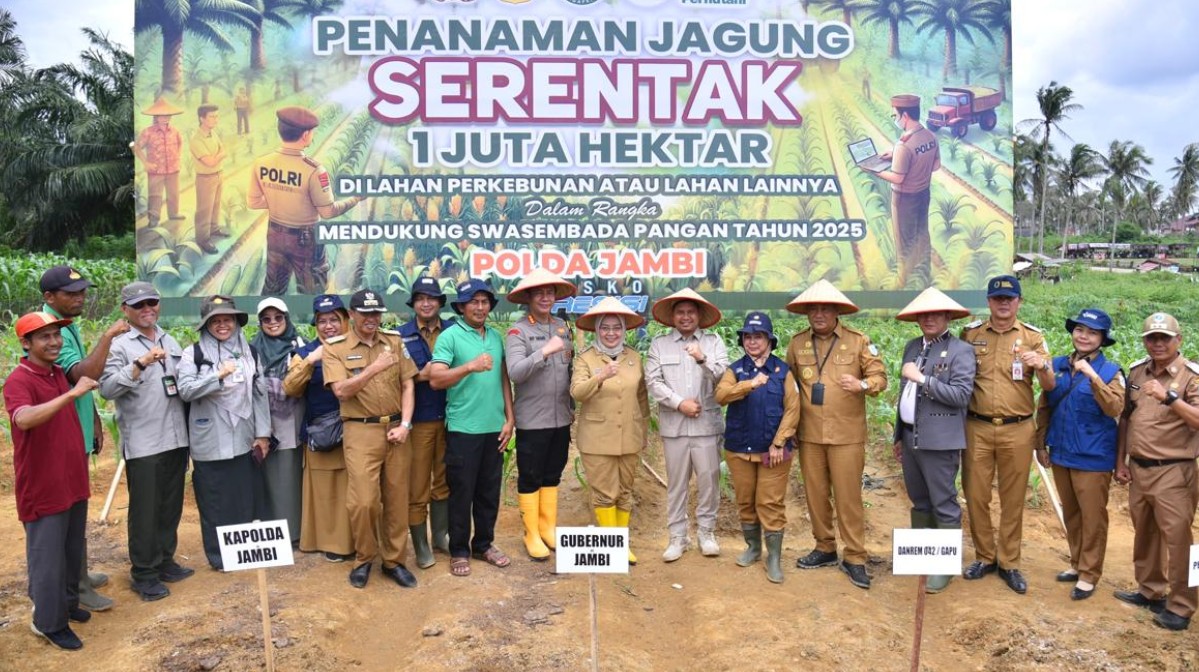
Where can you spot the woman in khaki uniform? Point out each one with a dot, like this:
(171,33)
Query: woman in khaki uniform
(324,519)
(609,384)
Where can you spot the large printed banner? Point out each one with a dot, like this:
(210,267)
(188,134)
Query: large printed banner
(744,149)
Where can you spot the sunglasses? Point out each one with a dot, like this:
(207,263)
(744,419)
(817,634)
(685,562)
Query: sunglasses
(267,319)
(151,303)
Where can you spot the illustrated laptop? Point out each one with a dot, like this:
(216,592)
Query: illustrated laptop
(866,156)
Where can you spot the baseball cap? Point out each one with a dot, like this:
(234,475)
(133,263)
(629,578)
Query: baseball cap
(367,301)
(326,303)
(271,302)
(136,292)
(1161,323)
(757,322)
(63,278)
(467,291)
(31,322)
(1003,285)
(429,287)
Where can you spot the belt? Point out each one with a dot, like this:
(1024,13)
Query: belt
(1141,462)
(376,419)
(998,421)
(293,230)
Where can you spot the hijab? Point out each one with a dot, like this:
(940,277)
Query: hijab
(275,351)
(235,400)
(599,345)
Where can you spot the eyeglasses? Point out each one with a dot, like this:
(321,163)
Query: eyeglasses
(267,319)
(151,303)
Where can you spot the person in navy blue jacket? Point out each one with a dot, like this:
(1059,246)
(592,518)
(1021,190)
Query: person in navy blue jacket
(1076,424)
(428,494)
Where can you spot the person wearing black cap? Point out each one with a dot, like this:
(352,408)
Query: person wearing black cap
(428,494)
(759,439)
(296,192)
(64,291)
(229,421)
(913,161)
(1000,434)
(1077,433)
(324,519)
(141,377)
(468,361)
(371,374)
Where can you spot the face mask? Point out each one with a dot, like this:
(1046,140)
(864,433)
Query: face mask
(899,124)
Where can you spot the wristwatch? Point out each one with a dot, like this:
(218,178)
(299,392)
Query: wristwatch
(139,365)
(865,385)
(406,425)
(1171,397)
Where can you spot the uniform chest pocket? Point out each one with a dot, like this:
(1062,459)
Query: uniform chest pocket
(845,358)
(671,360)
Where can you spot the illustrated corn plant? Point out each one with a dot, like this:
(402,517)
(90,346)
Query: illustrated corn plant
(949,212)
(400,281)
(953,147)
(988,173)
(968,160)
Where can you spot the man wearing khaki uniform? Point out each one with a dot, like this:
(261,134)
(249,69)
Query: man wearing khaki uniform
(1000,432)
(208,153)
(1158,437)
(836,368)
(913,161)
(371,374)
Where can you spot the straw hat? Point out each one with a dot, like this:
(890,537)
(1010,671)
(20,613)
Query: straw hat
(663,309)
(541,278)
(823,292)
(161,108)
(609,306)
(932,300)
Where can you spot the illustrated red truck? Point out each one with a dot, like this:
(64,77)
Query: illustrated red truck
(959,106)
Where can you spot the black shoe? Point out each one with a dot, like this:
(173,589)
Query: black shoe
(79,615)
(817,558)
(150,590)
(1171,621)
(857,574)
(1077,593)
(978,569)
(64,639)
(337,557)
(1136,599)
(1068,576)
(1014,580)
(173,572)
(401,575)
(360,574)
(208,248)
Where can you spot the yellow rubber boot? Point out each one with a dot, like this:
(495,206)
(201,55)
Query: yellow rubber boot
(547,516)
(606,517)
(528,515)
(622,520)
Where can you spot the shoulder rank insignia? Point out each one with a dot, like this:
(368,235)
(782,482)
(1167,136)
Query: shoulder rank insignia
(1193,367)
(973,325)
(1031,327)
(337,339)
(1139,362)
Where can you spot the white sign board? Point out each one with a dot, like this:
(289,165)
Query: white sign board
(592,550)
(1194,576)
(929,552)
(256,545)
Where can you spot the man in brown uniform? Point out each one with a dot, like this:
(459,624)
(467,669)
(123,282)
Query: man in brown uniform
(371,374)
(208,152)
(296,192)
(915,157)
(1000,432)
(1157,436)
(836,368)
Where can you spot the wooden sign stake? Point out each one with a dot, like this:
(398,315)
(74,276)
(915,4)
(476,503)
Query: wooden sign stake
(919,624)
(594,625)
(267,644)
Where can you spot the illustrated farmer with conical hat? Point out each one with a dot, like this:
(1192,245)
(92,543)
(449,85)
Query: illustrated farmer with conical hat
(159,147)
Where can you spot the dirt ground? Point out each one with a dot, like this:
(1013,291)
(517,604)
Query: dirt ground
(695,612)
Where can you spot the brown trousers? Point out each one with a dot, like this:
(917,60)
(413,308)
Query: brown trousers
(1084,504)
(1005,449)
(157,184)
(294,252)
(913,246)
(324,517)
(1162,503)
(377,494)
(428,458)
(835,472)
(610,478)
(761,492)
(208,206)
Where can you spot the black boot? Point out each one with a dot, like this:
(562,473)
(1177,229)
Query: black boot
(774,556)
(439,523)
(420,545)
(753,541)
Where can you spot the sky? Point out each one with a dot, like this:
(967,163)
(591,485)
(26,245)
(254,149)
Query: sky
(1132,70)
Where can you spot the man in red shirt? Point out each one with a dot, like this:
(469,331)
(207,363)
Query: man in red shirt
(160,149)
(51,476)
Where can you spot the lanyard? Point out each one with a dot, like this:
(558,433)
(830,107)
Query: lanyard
(831,346)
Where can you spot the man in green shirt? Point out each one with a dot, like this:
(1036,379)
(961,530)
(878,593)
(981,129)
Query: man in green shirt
(468,362)
(64,291)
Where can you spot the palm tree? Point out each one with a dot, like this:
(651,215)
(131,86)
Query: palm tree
(1186,179)
(267,10)
(12,49)
(999,17)
(1127,165)
(891,12)
(1055,105)
(846,7)
(954,17)
(1083,164)
(203,18)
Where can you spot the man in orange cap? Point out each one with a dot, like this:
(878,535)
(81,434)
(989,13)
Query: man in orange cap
(296,192)
(915,157)
(159,147)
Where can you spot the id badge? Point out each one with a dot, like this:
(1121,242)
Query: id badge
(237,377)
(1017,369)
(817,394)
(170,386)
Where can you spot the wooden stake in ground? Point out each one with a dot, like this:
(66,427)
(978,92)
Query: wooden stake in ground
(265,605)
(1049,486)
(112,490)
(919,622)
(594,625)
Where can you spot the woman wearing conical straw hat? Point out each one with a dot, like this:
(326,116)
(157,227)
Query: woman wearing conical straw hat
(538,352)
(681,372)
(609,384)
(930,427)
